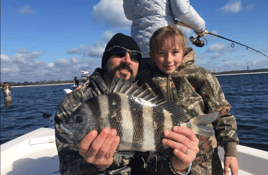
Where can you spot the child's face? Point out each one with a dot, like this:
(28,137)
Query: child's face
(168,56)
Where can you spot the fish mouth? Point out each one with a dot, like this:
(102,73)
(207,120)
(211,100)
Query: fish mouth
(67,131)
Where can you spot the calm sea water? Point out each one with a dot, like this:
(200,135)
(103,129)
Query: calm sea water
(247,94)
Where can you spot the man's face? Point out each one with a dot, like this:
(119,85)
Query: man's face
(121,67)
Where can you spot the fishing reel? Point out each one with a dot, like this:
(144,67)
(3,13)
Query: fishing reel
(197,42)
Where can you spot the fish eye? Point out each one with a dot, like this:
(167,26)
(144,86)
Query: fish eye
(78,119)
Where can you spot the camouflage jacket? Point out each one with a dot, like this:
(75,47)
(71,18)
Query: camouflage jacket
(72,163)
(197,92)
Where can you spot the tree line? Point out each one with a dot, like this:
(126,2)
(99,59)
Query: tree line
(242,71)
(43,82)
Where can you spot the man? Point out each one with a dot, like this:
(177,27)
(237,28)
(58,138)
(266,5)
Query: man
(96,154)
(76,81)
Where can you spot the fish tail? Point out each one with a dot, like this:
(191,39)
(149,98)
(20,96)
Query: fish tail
(199,124)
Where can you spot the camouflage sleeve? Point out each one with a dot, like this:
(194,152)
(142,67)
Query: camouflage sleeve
(71,162)
(225,127)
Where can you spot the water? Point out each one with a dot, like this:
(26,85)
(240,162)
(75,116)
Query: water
(29,105)
(247,94)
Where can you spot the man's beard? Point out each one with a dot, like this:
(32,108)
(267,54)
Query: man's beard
(110,74)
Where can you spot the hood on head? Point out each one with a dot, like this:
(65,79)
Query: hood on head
(188,57)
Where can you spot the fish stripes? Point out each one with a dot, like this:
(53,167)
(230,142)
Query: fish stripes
(148,128)
(136,122)
(158,118)
(126,123)
(96,111)
(138,115)
(115,115)
(138,125)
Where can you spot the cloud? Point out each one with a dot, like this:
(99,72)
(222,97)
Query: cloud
(253,64)
(217,55)
(108,35)
(231,62)
(96,50)
(25,66)
(75,50)
(235,6)
(4,57)
(209,37)
(26,9)
(231,7)
(99,46)
(186,31)
(220,47)
(249,7)
(111,15)
(61,62)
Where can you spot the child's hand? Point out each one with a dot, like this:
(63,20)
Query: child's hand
(232,163)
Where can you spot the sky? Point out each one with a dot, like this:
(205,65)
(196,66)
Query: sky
(56,39)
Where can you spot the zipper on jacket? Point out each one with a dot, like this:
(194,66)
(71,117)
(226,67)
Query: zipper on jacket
(168,89)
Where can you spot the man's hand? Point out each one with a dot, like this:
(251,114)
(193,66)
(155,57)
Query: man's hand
(98,150)
(181,139)
(230,162)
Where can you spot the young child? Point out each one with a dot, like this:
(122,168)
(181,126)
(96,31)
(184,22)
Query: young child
(197,92)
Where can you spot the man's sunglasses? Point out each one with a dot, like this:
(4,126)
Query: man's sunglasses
(121,52)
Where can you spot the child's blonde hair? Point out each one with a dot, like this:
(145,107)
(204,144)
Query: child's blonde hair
(167,32)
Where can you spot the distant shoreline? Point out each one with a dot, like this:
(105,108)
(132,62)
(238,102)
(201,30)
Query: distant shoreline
(41,85)
(225,74)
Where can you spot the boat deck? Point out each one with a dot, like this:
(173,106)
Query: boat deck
(32,153)
(36,153)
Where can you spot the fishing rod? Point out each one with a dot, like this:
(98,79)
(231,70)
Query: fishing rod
(200,43)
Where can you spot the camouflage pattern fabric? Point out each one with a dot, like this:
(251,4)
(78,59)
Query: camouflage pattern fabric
(198,92)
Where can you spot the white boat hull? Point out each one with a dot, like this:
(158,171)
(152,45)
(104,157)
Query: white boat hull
(32,153)
(36,153)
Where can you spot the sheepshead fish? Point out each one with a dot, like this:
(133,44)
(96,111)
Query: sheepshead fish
(138,115)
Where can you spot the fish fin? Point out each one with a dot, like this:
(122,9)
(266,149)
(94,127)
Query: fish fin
(205,119)
(132,88)
(145,92)
(152,99)
(116,85)
(111,87)
(204,130)
(125,86)
(119,86)
(148,97)
(138,91)
(178,114)
(199,124)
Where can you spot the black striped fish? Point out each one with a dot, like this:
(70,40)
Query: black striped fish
(138,115)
